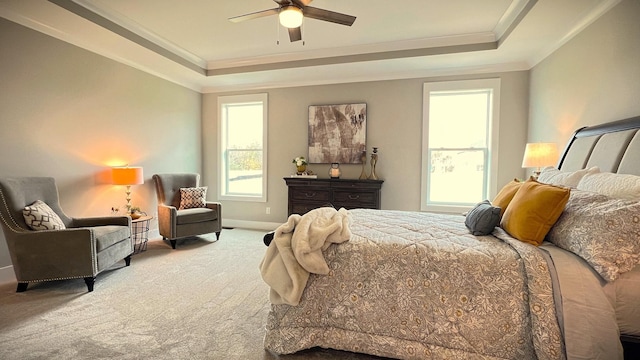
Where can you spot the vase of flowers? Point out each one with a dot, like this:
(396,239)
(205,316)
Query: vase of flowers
(301,165)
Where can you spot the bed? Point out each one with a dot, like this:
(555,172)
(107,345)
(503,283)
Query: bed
(414,285)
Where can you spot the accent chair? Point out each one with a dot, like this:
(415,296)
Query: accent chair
(71,248)
(182,208)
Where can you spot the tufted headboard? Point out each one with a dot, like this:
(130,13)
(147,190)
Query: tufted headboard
(613,147)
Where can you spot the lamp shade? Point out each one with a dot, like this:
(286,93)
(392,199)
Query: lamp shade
(537,155)
(127,176)
(290,16)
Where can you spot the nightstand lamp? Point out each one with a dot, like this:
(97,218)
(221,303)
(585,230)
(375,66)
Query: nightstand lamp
(538,155)
(127,176)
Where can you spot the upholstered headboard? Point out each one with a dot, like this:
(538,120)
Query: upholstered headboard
(613,147)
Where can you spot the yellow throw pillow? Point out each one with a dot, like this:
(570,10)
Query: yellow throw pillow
(506,194)
(533,210)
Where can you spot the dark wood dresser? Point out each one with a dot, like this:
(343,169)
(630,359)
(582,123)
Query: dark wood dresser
(307,194)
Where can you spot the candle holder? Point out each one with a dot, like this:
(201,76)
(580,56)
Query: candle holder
(374,161)
(334,171)
(363,160)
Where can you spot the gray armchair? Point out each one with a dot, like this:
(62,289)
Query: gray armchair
(175,223)
(86,247)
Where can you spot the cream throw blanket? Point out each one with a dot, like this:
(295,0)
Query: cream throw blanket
(296,251)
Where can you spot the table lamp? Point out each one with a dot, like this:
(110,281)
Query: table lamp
(127,176)
(538,155)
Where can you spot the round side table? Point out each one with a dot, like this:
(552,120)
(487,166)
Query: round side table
(140,233)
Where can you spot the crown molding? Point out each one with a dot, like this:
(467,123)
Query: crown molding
(399,75)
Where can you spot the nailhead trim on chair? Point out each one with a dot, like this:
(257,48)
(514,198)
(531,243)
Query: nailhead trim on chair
(4,202)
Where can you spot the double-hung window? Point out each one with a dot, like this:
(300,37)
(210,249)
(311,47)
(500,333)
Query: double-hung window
(242,138)
(459,143)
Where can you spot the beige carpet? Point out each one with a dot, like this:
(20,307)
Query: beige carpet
(204,300)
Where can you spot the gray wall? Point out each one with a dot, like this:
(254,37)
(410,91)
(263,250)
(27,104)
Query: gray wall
(394,112)
(70,114)
(592,79)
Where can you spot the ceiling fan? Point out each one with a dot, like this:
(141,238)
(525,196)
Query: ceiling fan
(291,12)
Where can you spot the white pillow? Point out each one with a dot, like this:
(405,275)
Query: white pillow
(614,185)
(551,175)
(39,216)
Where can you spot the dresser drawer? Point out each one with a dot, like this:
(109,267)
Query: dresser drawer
(305,208)
(310,194)
(354,199)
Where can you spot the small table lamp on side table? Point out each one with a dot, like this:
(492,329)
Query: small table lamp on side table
(538,155)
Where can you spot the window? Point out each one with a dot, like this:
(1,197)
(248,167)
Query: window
(459,143)
(243,153)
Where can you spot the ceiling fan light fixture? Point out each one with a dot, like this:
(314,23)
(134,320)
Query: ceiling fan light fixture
(290,16)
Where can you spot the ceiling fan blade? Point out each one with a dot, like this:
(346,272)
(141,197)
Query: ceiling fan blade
(331,16)
(282,2)
(254,15)
(295,34)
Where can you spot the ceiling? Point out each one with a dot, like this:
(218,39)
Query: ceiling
(192,42)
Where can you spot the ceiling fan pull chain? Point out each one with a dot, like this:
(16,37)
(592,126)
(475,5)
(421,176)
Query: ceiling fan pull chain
(278,32)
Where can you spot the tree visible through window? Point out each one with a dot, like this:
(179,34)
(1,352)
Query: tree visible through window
(458,156)
(242,147)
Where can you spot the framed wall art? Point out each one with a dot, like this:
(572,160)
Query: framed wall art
(337,133)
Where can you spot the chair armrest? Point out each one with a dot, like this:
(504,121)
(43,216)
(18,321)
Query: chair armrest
(101,221)
(167,220)
(214,205)
(217,207)
(71,252)
(167,210)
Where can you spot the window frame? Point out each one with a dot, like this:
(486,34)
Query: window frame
(223,102)
(491,157)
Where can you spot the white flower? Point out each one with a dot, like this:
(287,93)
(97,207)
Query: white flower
(300,160)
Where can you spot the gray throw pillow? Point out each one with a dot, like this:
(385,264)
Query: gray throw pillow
(483,218)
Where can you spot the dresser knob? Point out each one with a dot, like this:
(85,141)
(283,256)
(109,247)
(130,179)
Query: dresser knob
(310,195)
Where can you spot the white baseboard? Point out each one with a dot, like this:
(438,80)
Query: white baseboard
(7,275)
(253,225)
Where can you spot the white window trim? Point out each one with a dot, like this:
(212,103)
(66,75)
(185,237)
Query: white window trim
(494,126)
(234,99)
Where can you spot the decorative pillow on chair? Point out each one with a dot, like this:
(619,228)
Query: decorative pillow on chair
(533,211)
(483,218)
(39,216)
(601,230)
(193,197)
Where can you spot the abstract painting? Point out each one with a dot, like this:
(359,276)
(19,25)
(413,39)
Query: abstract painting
(337,133)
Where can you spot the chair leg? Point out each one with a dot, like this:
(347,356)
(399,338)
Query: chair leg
(173,243)
(22,286)
(218,235)
(90,280)
(127,260)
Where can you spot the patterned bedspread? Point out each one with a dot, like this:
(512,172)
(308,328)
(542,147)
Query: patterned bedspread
(415,285)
